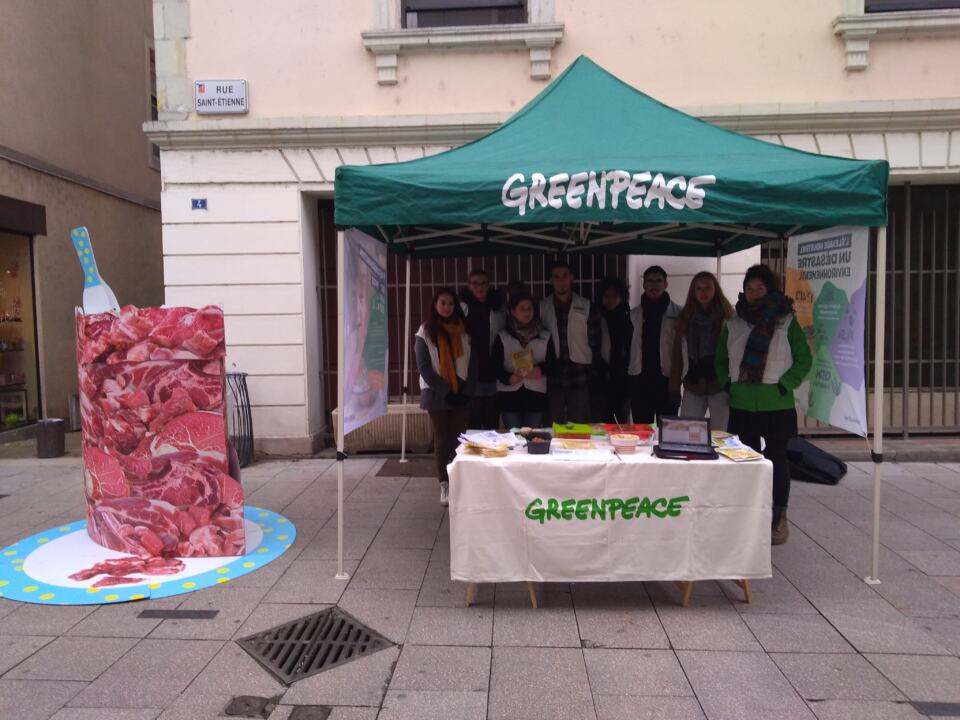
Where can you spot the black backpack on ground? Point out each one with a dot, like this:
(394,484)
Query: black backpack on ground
(811,464)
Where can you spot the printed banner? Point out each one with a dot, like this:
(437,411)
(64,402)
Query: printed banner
(526,517)
(364,329)
(827,279)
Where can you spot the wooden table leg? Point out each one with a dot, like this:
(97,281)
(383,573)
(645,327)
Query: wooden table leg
(686,587)
(747,593)
(532,592)
(471,593)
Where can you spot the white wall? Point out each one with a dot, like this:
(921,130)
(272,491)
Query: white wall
(680,272)
(246,252)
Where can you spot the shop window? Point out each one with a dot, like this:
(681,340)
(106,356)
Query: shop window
(19,387)
(877,6)
(458,13)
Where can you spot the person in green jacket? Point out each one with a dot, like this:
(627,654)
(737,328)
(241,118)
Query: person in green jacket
(763,356)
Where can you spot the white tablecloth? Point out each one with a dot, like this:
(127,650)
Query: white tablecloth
(721,532)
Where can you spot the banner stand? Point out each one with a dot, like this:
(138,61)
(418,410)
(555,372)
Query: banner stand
(406,375)
(341,369)
(877,454)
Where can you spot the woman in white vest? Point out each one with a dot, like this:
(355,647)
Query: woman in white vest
(522,354)
(693,366)
(447,376)
(763,356)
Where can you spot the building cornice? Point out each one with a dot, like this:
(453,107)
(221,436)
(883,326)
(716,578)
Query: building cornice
(456,129)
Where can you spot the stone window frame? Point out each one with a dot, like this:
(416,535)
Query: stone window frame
(389,40)
(858,28)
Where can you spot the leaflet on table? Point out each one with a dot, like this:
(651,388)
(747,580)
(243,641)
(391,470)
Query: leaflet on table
(489,439)
(732,448)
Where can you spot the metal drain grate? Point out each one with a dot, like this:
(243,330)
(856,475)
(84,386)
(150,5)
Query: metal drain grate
(312,644)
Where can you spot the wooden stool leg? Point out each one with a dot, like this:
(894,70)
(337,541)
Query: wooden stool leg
(686,588)
(747,593)
(471,593)
(531,591)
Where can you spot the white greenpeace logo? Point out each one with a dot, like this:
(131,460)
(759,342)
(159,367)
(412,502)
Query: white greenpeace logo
(640,190)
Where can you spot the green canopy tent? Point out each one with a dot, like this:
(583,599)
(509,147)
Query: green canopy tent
(592,165)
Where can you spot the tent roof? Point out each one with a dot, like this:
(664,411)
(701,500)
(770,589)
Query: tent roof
(593,165)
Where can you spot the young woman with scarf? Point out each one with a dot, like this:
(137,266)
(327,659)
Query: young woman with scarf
(694,351)
(448,373)
(523,356)
(612,384)
(763,356)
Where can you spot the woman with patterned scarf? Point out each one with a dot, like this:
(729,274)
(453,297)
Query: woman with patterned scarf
(763,356)
(448,373)
(522,356)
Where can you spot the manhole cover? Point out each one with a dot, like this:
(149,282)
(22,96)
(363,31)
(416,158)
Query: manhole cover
(312,644)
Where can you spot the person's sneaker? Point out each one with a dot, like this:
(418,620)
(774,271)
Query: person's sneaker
(780,531)
(444,493)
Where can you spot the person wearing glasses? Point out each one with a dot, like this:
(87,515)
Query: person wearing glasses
(485,317)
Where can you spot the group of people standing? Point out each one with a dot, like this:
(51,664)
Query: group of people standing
(483,358)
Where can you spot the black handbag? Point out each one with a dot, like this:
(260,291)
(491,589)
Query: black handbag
(811,464)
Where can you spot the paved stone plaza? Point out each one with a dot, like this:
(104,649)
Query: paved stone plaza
(816,643)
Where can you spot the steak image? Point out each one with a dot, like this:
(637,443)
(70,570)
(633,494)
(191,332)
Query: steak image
(154,436)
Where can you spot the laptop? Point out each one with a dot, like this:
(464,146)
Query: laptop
(684,438)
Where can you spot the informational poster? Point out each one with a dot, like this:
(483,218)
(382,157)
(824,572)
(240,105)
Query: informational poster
(364,329)
(827,279)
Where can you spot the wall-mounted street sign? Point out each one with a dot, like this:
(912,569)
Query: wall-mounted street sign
(220,97)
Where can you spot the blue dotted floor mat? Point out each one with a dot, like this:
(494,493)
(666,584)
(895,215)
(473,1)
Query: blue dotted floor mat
(36,569)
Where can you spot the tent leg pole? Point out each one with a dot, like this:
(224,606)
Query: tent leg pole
(881,288)
(719,264)
(341,363)
(406,361)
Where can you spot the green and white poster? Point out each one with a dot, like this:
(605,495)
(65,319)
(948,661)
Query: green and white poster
(364,329)
(827,279)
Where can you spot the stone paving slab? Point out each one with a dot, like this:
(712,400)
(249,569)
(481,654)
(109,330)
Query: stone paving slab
(72,658)
(433,705)
(631,707)
(933,679)
(539,684)
(35,699)
(818,676)
(151,675)
(460,669)
(741,685)
(15,648)
(816,641)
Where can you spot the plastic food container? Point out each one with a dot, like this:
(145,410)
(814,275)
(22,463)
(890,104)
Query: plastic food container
(538,443)
(624,443)
(641,431)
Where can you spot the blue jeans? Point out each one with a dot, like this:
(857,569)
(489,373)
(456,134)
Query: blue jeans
(526,418)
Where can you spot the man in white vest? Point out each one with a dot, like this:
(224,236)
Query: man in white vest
(654,321)
(575,335)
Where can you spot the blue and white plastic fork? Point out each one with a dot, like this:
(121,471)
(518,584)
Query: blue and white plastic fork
(97,295)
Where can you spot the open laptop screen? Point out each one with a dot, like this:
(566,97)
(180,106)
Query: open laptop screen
(685,434)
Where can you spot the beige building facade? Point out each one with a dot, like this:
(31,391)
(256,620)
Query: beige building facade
(372,81)
(75,89)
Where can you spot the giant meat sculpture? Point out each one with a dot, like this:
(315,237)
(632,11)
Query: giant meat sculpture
(154,433)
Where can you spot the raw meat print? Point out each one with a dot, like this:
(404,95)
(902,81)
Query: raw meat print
(154,436)
(119,570)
